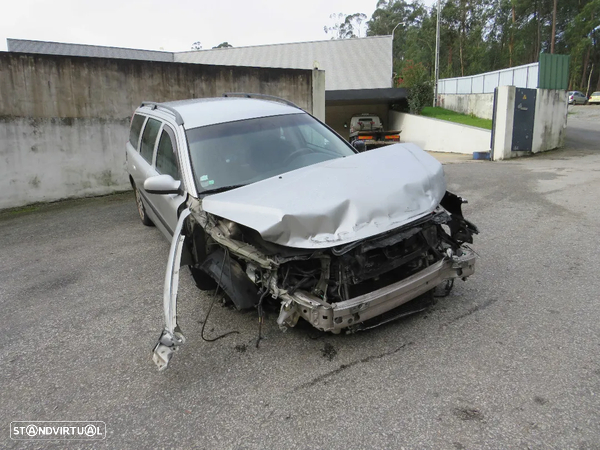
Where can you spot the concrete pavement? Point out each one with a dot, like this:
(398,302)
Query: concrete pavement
(509,360)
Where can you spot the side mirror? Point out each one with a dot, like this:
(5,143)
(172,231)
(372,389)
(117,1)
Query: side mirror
(162,184)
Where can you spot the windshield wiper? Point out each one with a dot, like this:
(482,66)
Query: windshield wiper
(222,189)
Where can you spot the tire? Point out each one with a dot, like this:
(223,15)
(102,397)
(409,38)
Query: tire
(141,208)
(203,281)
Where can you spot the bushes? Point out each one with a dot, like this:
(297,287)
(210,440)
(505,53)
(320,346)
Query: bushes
(420,96)
(415,78)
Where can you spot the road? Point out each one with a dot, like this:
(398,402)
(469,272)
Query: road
(511,359)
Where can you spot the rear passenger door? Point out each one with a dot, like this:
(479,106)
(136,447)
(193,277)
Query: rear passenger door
(140,163)
(133,148)
(166,163)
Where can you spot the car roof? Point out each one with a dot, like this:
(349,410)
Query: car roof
(202,112)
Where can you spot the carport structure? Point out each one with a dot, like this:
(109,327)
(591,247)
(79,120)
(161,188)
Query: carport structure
(341,105)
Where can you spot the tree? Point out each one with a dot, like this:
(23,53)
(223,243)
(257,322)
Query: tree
(485,35)
(553,26)
(346,26)
(415,77)
(224,45)
(582,35)
(197,46)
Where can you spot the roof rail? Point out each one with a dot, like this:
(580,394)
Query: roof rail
(154,105)
(263,96)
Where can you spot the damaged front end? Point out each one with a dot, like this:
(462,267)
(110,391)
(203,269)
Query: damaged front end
(336,288)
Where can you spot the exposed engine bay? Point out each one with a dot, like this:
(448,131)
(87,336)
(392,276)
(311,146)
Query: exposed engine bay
(338,288)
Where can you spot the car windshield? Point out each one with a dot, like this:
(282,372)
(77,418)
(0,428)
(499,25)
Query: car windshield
(596,94)
(247,151)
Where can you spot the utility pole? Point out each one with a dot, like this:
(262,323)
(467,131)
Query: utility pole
(397,25)
(437,54)
(553,28)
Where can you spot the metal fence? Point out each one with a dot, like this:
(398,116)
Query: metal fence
(522,76)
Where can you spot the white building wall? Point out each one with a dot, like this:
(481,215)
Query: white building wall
(440,135)
(480,105)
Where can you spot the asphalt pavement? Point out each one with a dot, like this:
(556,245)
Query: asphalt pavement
(511,359)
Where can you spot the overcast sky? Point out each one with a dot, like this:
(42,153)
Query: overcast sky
(173,26)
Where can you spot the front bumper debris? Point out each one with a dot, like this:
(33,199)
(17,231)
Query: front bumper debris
(171,337)
(337,316)
(168,343)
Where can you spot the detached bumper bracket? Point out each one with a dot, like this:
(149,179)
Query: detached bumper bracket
(168,343)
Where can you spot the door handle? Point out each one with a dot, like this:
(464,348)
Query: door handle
(134,168)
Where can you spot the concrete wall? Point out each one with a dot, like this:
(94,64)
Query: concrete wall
(503,123)
(337,115)
(318,94)
(549,128)
(550,123)
(440,135)
(64,120)
(480,105)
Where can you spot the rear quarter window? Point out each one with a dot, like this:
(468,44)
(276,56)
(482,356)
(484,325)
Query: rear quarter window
(136,127)
(149,139)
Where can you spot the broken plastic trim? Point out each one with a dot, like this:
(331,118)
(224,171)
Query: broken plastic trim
(171,337)
(337,316)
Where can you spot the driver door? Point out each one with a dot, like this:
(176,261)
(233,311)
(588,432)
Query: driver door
(166,163)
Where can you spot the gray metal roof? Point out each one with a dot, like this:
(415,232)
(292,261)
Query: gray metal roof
(362,63)
(96,51)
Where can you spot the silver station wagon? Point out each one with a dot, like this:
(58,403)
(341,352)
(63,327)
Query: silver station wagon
(267,202)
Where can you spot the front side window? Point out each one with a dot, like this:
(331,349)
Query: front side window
(136,127)
(247,151)
(166,164)
(149,139)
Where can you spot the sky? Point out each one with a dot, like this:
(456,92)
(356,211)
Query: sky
(173,26)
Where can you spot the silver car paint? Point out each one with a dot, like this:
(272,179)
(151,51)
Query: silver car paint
(161,209)
(337,201)
(227,109)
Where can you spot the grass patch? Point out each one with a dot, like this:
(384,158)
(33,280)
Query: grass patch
(65,203)
(453,116)
(23,209)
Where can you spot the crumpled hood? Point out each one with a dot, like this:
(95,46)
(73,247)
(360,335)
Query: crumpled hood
(338,201)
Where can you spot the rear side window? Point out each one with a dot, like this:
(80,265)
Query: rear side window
(136,127)
(166,164)
(149,138)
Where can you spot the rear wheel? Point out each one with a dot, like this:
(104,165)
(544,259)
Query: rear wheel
(141,208)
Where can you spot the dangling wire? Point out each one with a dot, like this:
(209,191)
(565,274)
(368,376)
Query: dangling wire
(261,315)
(213,302)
